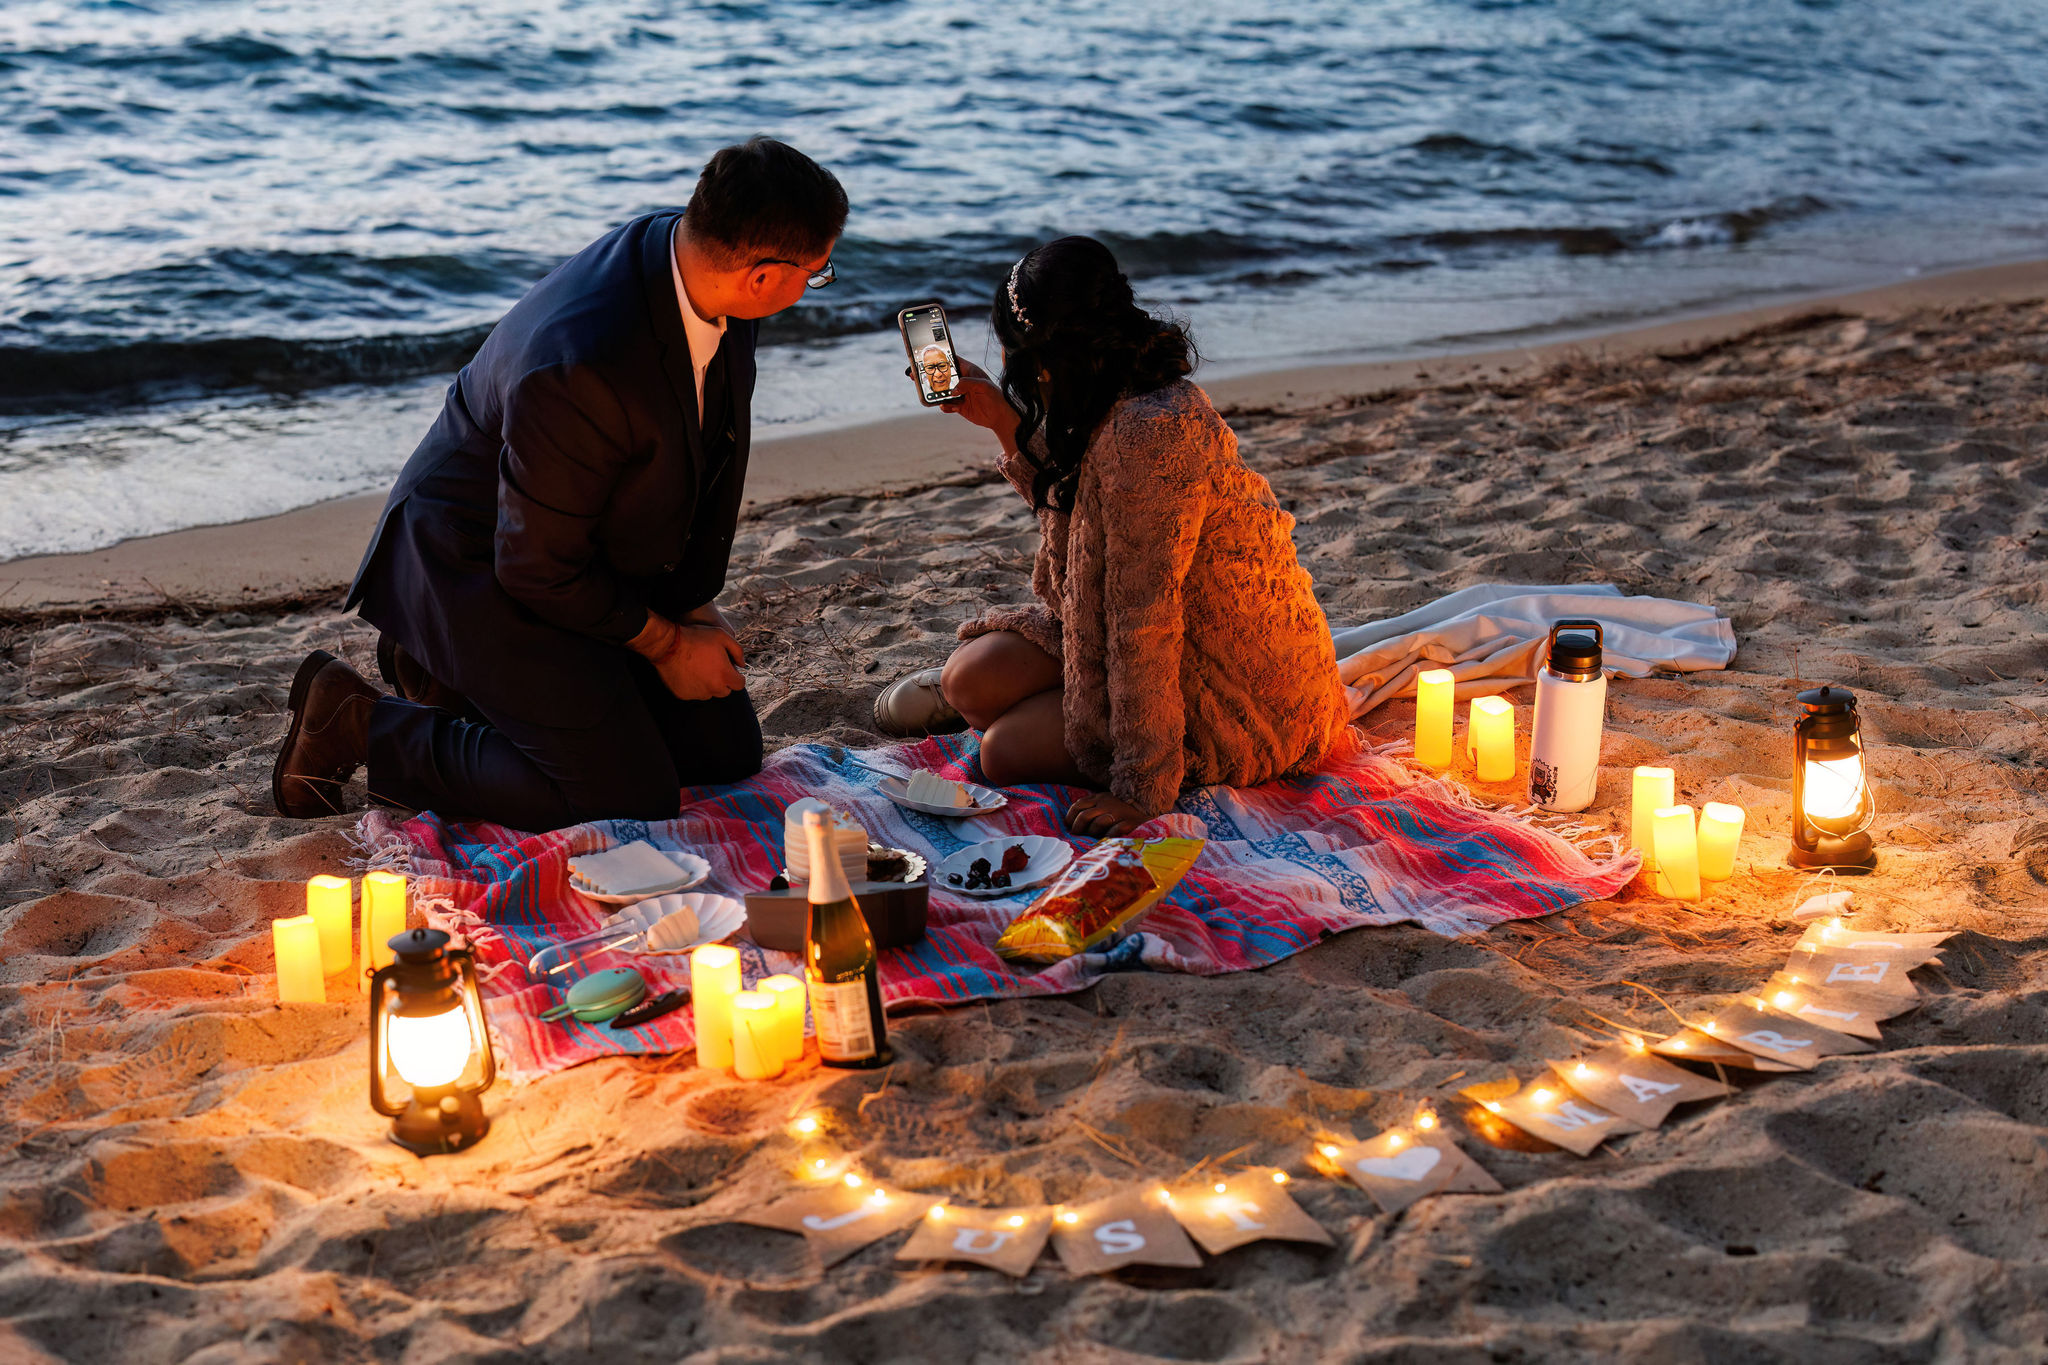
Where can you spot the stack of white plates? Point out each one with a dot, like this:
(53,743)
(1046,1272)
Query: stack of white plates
(796,847)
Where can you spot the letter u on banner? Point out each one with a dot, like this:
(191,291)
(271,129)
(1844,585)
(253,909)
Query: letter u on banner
(976,1242)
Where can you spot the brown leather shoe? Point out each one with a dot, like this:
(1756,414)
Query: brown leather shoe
(328,740)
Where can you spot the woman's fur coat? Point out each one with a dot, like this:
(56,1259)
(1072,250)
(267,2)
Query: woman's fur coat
(1189,635)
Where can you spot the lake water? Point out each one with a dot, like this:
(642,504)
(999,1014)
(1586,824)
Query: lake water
(242,245)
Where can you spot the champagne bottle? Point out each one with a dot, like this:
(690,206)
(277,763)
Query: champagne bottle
(839,961)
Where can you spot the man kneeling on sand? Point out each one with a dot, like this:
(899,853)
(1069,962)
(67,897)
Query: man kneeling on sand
(545,569)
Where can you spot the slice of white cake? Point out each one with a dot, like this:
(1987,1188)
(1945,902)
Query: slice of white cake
(930,790)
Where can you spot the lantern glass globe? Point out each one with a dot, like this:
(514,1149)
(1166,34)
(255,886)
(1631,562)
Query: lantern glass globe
(1834,788)
(431,1050)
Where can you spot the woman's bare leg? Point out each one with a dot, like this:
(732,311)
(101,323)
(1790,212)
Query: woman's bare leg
(992,673)
(1028,743)
(1009,689)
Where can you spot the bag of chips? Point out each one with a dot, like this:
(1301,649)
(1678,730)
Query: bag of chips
(1099,893)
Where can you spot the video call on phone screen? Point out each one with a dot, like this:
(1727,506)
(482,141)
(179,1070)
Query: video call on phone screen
(931,351)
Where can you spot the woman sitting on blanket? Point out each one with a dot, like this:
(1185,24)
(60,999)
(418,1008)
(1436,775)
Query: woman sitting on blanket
(1176,640)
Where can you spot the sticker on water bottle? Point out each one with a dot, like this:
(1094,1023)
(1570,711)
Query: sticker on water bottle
(1542,782)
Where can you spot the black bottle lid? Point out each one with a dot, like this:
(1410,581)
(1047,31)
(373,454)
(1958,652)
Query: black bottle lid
(1575,653)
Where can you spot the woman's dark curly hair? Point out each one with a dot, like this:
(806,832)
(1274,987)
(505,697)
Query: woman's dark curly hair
(1068,311)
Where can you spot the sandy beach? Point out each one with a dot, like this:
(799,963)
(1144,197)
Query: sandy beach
(191,1173)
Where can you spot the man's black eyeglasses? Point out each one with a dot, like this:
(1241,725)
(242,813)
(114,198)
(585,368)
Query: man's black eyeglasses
(818,280)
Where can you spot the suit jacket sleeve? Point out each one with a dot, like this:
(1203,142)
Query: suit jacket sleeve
(566,442)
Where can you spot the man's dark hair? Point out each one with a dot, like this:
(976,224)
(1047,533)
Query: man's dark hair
(764,199)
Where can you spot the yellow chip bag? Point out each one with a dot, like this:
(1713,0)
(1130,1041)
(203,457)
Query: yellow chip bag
(1099,893)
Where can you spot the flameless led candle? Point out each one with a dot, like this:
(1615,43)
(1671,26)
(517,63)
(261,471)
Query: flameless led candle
(1655,789)
(383,920)
(1490,730)
(789,994)
(1720,833)
(714,980)
(297,942)
(1678,853)
(756,1053)
(328,901)
(1436,693)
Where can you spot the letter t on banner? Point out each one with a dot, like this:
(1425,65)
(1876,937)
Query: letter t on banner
(1249,1207)
(1130,1227)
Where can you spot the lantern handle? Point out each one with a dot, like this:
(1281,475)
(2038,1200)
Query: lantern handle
(380,983)
(472,1004)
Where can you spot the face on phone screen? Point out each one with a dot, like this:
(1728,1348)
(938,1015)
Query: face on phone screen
(931,352)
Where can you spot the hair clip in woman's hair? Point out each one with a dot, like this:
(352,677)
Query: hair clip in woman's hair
(1016,307)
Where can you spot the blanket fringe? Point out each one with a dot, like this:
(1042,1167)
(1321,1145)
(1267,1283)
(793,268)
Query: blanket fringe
(1597,845)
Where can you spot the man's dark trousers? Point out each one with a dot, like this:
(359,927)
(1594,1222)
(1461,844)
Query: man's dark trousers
(568,489)
(631,764)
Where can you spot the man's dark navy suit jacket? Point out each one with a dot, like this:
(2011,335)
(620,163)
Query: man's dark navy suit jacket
(565,490)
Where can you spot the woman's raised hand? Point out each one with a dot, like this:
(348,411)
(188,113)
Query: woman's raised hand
(981,402)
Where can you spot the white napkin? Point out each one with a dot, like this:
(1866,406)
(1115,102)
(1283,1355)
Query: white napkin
(635,869)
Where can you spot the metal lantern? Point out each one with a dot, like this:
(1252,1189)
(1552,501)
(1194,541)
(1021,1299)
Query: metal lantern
(430,1054)
(1831,802)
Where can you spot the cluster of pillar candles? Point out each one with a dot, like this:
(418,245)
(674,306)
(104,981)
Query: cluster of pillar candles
(754,1034)
(1681,852)
(320,943)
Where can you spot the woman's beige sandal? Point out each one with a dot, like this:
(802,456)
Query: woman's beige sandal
(913,707)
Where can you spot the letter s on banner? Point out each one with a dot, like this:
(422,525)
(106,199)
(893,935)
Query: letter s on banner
(1119,1238)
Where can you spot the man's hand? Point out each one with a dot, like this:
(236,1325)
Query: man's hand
(981,402)
(696,662)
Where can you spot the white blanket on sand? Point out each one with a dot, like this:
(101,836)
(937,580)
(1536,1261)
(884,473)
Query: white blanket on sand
(1491,637)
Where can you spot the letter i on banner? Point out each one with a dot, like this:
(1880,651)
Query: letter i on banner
(1008,1240)
(1248,1207)
(1130,1227)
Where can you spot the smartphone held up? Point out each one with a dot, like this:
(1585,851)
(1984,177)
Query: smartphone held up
(929,342)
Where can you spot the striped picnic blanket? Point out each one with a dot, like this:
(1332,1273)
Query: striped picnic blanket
(1369,839)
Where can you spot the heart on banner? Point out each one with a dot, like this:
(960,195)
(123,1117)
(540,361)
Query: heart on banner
(1411,1165)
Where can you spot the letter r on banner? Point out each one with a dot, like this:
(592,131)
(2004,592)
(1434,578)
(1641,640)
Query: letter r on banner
(1775,1041)
(1119,1238)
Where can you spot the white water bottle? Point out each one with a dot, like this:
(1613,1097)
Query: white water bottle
(1571,710)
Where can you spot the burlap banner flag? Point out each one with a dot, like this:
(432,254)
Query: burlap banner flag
(1399,1167)
(1636,1085)
(1247,1207)
(1008,1240)
(838,1221)
(1131,1227)
(1549,1109)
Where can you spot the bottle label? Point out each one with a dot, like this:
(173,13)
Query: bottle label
(1542,782)
(840,1014)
